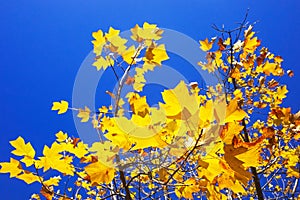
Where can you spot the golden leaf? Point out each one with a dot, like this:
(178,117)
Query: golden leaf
(53,181)
(205,45)
(13,167)
(61,136)
(99,173)
(23,149)
(84,114)
(61,106)
(28,177)
(98,42)
(233,112)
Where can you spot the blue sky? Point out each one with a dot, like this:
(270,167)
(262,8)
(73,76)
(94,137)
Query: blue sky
(43,43)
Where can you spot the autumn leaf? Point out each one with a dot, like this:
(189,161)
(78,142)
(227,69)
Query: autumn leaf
(187,190)
(101,63)
(23,149)
(160,54)
(61,136)
(129,80)
(61,106)
(128,54)
(84,114)
(233,112)
(205,45)
(28,177)
(52,181)
(147,32)
(230,130)
(53,159)
(281,92)
(100,173)
(98,42)
(13,167)
(177,99)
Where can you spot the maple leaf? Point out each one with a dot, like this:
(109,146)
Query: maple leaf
(281,92)
(52,181)
(61,106)
(128,54)
(250,44)
(103,63)
(148,32)
(233,112)
(61,136)
(13,167)
(23,149)
(177,99)
(52,159)
(84,114)
(241,157)
(105,152)
(98,42)
(28,177)
(205,45)
(188,190)
(124,132)
(112,33)
(160,54)
(227,181)
(230,130)
(79,149)
(117,44)
(139,79)
(99,173)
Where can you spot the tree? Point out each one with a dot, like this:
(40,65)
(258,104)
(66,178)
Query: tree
(223,141)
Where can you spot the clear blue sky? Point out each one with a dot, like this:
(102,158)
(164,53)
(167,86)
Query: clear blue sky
(42,44)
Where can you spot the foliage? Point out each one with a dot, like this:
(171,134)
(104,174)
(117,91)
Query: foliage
(232,140)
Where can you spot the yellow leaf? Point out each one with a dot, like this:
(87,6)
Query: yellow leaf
(148,32)
(187,190)
(128,55)
(205,45)
(23,149)
(230,130)
(112,33)
(233,112)
(84,114)
(13,167)
(52,159)
(28,177)
(101,63)
(177,99)
(251,157)
(227,41)
(61,136)
(281,92)
(139,79)
(238,94)
(104,151)
(273,68)
(117,44)
(140,109)
(80,150)
(250,44)
(98,42)
(61,106)
(160,54)
(100,173)
(52,181)
(210,66)
(232,156)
